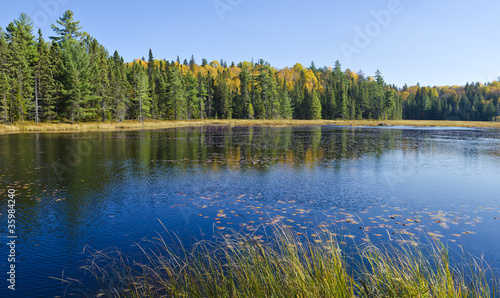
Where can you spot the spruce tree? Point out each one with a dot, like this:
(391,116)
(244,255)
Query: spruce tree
(120,87)
(45,76)
(79,101)
(176,107)
(191,87)
(286,111)
(244,93)
(4,98)
(141,99)
(22,55)
(5,87)
(315,106)
(202,95)
(54,89)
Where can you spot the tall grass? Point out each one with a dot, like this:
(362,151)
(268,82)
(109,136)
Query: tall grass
(288,265)
(28,126)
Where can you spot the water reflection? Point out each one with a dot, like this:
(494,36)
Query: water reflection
(109,189)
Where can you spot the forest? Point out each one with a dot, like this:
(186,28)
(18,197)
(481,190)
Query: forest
(71,77)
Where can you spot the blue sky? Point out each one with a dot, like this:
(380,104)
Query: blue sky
(409,41)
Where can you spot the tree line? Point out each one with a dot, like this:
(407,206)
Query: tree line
(72,77)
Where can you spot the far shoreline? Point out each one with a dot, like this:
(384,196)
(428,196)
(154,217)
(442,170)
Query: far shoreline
(31,127)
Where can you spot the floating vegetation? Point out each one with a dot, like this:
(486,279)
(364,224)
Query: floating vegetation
(228,209)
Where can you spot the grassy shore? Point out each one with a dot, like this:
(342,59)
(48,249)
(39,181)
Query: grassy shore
(291,266)
(28,127)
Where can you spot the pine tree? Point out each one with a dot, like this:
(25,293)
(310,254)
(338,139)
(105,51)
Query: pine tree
(202,95)
(342,104)
(5,87)
(4,98)
(53,99)
(119,87)
(192,98)
(285,105)
(22,55)
(80,103)
(389,104)
(69,28)
(330,100)
(244,93)
(99,78)
(176,107)
(46,73)
(192,63)
(222,100)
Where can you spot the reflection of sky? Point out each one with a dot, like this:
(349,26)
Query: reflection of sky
(196,181)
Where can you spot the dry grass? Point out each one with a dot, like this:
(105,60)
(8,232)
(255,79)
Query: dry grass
(151,124)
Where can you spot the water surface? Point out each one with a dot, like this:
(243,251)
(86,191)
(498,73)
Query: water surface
(80,192)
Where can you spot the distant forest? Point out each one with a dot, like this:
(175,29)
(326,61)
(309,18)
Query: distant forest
(73,78)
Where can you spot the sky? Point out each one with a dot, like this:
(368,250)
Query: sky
(410,41)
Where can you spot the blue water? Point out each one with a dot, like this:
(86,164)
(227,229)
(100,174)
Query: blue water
(81,192)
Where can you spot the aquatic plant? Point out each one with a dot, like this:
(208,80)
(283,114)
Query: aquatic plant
(283,264)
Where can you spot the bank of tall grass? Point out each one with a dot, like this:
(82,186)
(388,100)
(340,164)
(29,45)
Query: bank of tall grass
(289,265)
(28,127)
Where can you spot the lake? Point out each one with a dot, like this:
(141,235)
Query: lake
(81,192)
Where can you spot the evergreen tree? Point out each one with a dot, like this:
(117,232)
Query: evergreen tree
(153,82)
(244,93)
(5,87)
(22,55)
(202,95)
(141,97)
(79,101)
(176,107)
(53,102)
(285,106)
(330,101)
(192,98)
(315,106)
(99,78)
(389,104)
(222,100)
(119,86)
(69,29)
(192,63)
(4,98)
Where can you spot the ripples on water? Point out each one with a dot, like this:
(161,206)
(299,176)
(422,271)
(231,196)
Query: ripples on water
(78,192)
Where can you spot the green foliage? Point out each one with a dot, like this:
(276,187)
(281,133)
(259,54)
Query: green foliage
(69,29)
(76,78)
(141,99)
(46,73)
(286,110)
(193,105)
(290,265)
(315,108)
(80,104)
(21,56)
(4,98)
(176,108)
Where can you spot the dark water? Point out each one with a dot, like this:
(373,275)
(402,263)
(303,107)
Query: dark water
(81,192)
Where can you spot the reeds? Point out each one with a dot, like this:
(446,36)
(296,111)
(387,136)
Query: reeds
(289,265)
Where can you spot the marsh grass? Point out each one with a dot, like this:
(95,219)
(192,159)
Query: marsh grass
(288,265)
(153,124)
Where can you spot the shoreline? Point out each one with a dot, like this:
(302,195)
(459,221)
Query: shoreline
(31,127)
